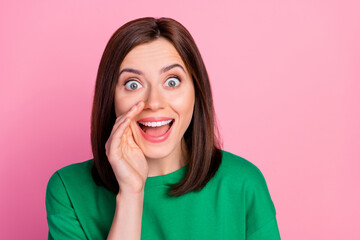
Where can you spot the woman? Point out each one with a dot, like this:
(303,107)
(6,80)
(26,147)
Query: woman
(158,170)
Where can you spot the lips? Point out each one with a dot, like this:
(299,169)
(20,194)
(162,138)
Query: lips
(155,129)
(154,119)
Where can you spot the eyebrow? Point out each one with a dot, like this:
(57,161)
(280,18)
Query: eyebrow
(162,70)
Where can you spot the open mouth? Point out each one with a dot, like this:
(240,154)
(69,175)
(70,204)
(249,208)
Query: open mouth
(156,129)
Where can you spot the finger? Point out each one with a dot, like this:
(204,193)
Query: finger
(123,133)
(110,140)
(115,141)
(131,114)
(136,109)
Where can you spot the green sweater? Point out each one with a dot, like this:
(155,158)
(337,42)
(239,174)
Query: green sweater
(235,204)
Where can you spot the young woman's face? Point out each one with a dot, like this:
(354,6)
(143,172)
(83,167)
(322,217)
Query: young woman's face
(155,73)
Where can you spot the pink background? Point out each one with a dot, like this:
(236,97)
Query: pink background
(285,77)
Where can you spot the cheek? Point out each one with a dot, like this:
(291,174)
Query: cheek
(123,102)
(183,103)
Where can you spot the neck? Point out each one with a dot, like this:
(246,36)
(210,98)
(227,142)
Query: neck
(177,159)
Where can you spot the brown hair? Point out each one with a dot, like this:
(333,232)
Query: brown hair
(202,138)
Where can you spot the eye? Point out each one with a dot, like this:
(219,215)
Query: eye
(172,82)
(132,85)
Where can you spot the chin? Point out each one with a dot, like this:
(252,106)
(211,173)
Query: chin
(156,152)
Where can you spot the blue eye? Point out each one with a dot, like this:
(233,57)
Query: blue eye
(172,82)
(132,85)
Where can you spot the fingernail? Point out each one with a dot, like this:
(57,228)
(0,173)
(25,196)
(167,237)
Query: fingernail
(139,103)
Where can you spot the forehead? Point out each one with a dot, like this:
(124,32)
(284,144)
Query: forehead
(159,52)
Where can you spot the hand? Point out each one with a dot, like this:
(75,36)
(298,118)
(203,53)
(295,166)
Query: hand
(125,157)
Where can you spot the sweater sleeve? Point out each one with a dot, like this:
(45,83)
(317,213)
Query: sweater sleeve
(261,214)
(61,216)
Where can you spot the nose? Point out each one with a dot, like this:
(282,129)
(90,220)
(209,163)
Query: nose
(154,99)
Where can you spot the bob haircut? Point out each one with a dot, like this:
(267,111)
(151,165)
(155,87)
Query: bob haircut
(202,138)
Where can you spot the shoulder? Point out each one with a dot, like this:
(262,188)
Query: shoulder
(239,169)
(64,200)
(245,179)
(75,174)
(81,167)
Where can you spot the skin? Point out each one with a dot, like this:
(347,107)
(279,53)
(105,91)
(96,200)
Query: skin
(131,156)
(160,101)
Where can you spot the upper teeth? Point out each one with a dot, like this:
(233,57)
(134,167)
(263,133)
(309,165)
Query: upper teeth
(155,124)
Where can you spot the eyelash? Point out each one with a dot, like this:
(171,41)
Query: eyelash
(173,76)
